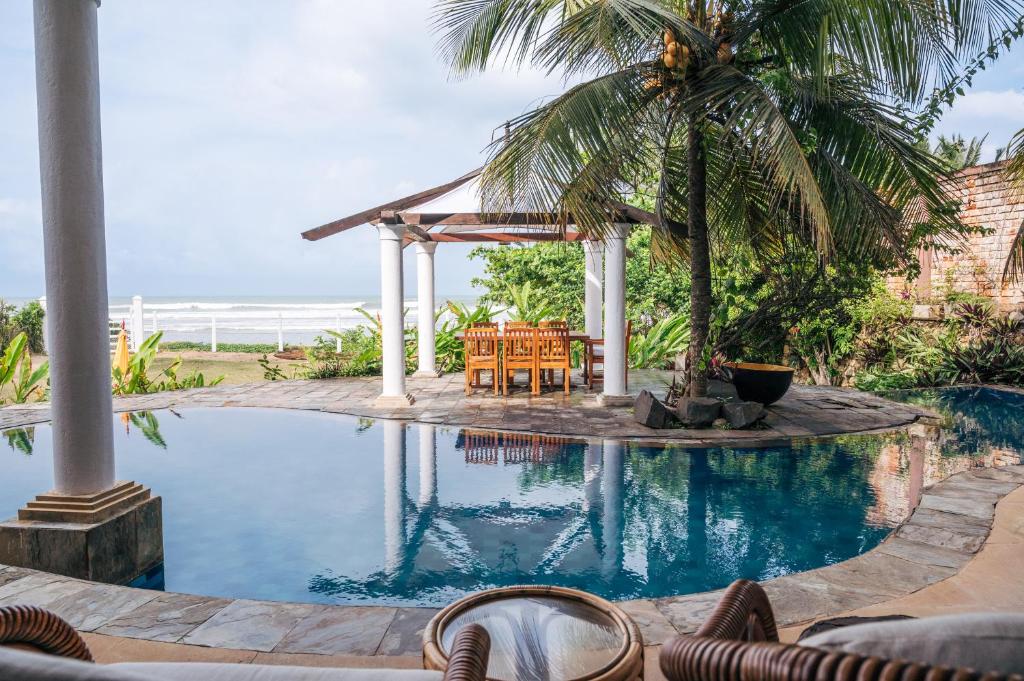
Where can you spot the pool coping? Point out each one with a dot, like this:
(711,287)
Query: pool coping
(948,527)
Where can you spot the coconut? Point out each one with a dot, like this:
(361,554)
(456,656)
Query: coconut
(668,37)
(724,53)
(670,60)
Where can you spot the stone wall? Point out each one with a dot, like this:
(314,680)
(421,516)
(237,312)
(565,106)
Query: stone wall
(986,200)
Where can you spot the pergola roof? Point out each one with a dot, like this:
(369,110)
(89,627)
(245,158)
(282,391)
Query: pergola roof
(450,213)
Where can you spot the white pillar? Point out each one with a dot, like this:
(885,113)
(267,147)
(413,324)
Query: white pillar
(46,325)
(615,314)
(394,494)
(337,339)
(280,332)
(393,393)
(156,324)
(71,170)
(138,325)
(428,464)
(213,334)
(593,258)
(425,307)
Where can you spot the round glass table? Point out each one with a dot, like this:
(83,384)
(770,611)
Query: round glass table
(542,633)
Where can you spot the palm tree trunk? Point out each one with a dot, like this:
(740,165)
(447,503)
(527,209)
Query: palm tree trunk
(700,260)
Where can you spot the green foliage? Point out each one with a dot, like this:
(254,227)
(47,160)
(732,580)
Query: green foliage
(957,153)
(27,320)
(659,346)
(528,305)
(555,273)
(271,372)
(21,439)
(149,426)
(16,371)
(249,348)
(136,380)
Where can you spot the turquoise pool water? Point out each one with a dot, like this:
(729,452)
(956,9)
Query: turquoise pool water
(306,506)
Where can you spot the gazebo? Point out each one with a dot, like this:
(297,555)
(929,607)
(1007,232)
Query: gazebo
(449,213)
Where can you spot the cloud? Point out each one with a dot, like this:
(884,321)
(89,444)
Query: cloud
(996,113)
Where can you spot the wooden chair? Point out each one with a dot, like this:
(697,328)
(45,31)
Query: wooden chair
(518,325)
(593,353)
(553,353)
(520,352)
(480,348)
(553,324)
(739,642)
(43,633)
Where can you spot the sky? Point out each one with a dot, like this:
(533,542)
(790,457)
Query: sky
(230,127)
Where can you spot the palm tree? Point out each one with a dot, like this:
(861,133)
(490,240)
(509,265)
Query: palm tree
(797,114)
(1014,269)
(958,153)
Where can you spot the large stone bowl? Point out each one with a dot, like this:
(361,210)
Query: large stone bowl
(764,383)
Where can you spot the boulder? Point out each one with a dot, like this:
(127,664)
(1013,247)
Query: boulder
(652,412)
(743,414)
(698,412)
(723,390)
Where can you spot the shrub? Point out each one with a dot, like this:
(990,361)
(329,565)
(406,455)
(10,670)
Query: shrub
(249,348)
(136,380)
(16,371)
(27,320)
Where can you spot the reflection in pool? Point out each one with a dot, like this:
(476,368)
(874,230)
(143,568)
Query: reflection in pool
(306,506)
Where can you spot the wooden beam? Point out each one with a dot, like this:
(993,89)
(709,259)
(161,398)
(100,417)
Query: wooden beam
(492,219)
(503,237)
(464,229)
(417,233)
(365,216)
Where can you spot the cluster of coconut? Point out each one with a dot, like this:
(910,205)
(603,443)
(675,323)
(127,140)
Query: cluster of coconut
(676,55)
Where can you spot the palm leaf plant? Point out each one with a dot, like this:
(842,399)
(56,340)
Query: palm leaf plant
(16,370)
(766,125)
(1014,269)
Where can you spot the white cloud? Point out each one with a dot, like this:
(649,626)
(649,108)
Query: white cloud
(996,113)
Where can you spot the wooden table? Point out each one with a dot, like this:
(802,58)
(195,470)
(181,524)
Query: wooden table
(542,633)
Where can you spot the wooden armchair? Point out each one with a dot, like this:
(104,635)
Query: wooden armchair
(739,642)
(40,631)
(480,349)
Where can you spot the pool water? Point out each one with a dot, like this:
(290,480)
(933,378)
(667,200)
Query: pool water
(307,506)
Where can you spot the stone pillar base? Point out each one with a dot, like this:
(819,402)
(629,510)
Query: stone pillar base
(436,373)
(604,400)
(394,401)
(111,537)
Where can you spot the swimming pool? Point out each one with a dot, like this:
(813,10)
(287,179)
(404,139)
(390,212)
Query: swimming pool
(307,506)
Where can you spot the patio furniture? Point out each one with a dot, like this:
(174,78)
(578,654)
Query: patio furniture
(553,324)
(542,633)
(593,354)
(518,325)
(519,350)
(739,641)
(553,353)
(480,349)
(37,645)
(764,383)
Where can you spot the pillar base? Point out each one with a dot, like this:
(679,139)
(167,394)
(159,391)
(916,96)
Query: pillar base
(436,373)
(604,400)
(112,537)
(394,401)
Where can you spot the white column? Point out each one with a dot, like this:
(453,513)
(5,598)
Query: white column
(394,494)
(46,324)
(428,464)
(213,334)
(425,307)
(71,170)
(391,309)
(280,332)
(138,325)
(593,258)
(615,313)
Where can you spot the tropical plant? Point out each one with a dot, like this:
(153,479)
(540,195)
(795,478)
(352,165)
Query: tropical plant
(797,112)
(529,305)
(1014,269)
(136,379)
(149,425)
(17,372)
(27,320)
(659,346)
(21,439)
(957,153)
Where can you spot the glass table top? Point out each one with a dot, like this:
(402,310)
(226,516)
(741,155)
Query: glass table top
(542,638)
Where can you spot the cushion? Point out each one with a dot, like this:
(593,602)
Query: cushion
(985,642)
(25,666)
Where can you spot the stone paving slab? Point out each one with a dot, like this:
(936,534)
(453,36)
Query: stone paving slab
(806,411)
(249,625)
(168,618)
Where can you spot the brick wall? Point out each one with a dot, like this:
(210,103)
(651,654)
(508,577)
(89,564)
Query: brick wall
(986,200)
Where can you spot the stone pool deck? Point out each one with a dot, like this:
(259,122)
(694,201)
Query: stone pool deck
(806,411)
(959,551)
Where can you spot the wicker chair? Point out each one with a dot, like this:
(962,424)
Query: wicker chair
(480,349)
(739,642)
(40,631)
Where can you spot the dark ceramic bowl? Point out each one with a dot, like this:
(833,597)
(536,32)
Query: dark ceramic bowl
(764,383)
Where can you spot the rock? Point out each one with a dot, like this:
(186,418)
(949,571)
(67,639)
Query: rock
(698,412)
(651,412)
(723,390)
(742,414)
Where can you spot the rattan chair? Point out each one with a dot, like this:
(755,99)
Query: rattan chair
(593,354)
(553,353)
(739,642)
(480,349)
(520,352)
(40,631)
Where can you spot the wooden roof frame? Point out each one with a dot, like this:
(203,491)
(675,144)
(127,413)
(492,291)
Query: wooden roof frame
(502,228)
